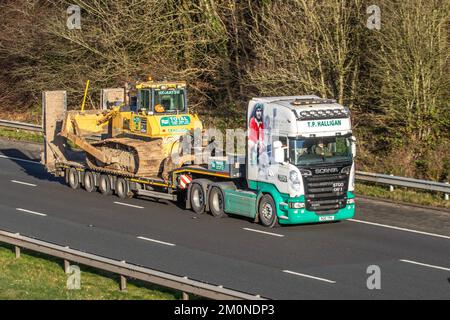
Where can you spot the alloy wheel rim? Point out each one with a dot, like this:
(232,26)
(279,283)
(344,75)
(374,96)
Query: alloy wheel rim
(217,202)
(267,212)
(197,198)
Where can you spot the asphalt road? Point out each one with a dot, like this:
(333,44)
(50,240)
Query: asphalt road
(328,261)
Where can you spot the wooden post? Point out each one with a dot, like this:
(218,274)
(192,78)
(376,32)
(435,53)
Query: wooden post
(185,296)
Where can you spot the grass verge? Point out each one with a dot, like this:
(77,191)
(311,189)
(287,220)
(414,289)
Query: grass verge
(21,135)
(37,276)
(433,199)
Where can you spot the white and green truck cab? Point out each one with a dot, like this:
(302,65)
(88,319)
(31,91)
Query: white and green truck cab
(298,167)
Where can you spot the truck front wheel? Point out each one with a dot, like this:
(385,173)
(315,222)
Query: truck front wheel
(267,212)
(197,198)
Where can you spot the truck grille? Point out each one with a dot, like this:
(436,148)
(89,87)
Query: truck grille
(326,193)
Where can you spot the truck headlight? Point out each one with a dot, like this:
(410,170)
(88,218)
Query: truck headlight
(296,205)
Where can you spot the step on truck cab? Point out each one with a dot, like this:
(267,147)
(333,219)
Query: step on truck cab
(299,165)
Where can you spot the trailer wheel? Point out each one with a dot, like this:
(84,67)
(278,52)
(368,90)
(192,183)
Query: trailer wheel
(73,178)
(66,175)
(216,202)
(123,189)
(104,185)
(89,181)
(197,198)
(267,212)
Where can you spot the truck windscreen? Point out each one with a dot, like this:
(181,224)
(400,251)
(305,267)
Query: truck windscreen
(317,150)
(170,101)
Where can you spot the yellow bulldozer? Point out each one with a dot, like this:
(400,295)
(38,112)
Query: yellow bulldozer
(140,135)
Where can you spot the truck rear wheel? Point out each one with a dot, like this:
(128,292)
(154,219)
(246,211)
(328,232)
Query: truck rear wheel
(104,185)
(216,202)
(73,178)
(123,189)
(197,198)
(267,212)
(89,181)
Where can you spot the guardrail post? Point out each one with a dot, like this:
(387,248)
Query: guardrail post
(123,280)
(446,196)
(185,296)
(123,283)
(66,266)
(391,187)
(17,251)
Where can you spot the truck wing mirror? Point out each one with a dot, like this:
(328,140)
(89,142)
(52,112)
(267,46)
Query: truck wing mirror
(353,140)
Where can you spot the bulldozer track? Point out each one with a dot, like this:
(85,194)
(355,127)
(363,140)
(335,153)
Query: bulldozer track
(109,171)
(130,157)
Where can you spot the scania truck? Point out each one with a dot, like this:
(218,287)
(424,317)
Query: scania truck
(297,166)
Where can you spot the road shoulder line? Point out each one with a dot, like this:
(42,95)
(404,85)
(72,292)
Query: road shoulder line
(401,229)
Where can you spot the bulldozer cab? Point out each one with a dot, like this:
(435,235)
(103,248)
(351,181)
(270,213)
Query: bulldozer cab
(159,98)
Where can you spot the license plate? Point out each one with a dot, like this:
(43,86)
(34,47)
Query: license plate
(327,218)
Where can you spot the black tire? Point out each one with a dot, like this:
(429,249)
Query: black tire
(216,201)
(197,198)
(89,181)
(267,212)
(73,178)
(104,185)
(123,189)
(66,175)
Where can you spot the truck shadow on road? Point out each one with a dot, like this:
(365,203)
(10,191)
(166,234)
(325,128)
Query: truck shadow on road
(35,170)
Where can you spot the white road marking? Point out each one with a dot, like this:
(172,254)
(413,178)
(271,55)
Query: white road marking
(401,229)
(308,276)
(32,212)
(18,159)
(128,205)
(425,265)
(157,241)
(24,183)
(264,232)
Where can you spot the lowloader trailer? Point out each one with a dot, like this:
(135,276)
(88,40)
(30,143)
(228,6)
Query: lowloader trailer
(298,166)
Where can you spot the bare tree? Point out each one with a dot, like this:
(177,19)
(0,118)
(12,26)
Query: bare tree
(412,68)
(307,46)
